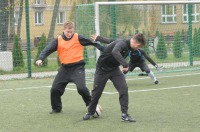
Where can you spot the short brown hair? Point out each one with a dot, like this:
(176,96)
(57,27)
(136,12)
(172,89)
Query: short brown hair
(140,38)
(68,24)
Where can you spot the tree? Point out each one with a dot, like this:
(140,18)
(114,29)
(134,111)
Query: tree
(137,16)
(152,19)
(17,53)
(145,15)
(86,55)
(4,17)
(53,21)
(161,51)
(146,47)
(42,44)
(12,21)
(157,33)
(74,3)
(72,14)
(196,43)
(112,13)
(184,36)
(195,39)
(177,45)
(20,18)
(58,61)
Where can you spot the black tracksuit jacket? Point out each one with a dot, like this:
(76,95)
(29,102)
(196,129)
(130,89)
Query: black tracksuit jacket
(114,55)
(136,56)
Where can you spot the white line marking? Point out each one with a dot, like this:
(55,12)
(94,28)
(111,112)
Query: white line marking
(145,90)
(148,90)
(167,76)
(12,89)
(111,93)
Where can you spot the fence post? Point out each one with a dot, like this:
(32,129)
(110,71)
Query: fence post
(190,33)
(28,38)
(113,17)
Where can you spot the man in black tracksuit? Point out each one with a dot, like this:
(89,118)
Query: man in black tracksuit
(137,59)
(108,68)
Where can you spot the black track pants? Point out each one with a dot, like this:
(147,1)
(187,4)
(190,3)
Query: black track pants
(118,79)
(65,75)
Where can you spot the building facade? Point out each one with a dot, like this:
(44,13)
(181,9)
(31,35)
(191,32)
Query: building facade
(40,16)
(166,18)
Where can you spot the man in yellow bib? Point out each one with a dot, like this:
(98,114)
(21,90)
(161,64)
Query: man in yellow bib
(70,50)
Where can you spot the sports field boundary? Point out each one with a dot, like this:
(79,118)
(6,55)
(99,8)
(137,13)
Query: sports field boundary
(132,91)
(88,71)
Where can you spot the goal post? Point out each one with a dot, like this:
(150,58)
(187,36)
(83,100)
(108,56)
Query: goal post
(97,4)
(171,28)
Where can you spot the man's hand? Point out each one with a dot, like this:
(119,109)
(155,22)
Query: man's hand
(39,62)
(125,70)
(159,68)
(94,37)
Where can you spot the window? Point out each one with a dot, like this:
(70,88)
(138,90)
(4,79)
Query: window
(61,18)
(16,15)
(38,2)
(168,13)
(195,14)
(38,18)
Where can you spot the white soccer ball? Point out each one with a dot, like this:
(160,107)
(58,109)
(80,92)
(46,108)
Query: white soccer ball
(98,111)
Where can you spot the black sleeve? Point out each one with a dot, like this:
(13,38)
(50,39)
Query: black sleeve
(85,42)
(50,48)
(147,57)
(104,40)
(120,46)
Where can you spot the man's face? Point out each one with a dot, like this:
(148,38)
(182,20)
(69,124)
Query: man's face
(134,44)
(68,32)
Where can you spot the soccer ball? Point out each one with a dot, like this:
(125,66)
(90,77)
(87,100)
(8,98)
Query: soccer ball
(98,111)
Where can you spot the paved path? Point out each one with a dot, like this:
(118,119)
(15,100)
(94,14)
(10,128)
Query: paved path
(34,75)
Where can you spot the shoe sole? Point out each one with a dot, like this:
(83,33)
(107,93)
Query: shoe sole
(86,118)
(55,112)
(128,120)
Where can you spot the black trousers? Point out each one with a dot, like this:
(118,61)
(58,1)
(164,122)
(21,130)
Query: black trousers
(65,75)
(142,65)
(118,79)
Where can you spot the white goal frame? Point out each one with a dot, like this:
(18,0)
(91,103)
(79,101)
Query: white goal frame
(97,4)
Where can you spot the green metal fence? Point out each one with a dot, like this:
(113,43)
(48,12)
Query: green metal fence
(173,26)
(168,28)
